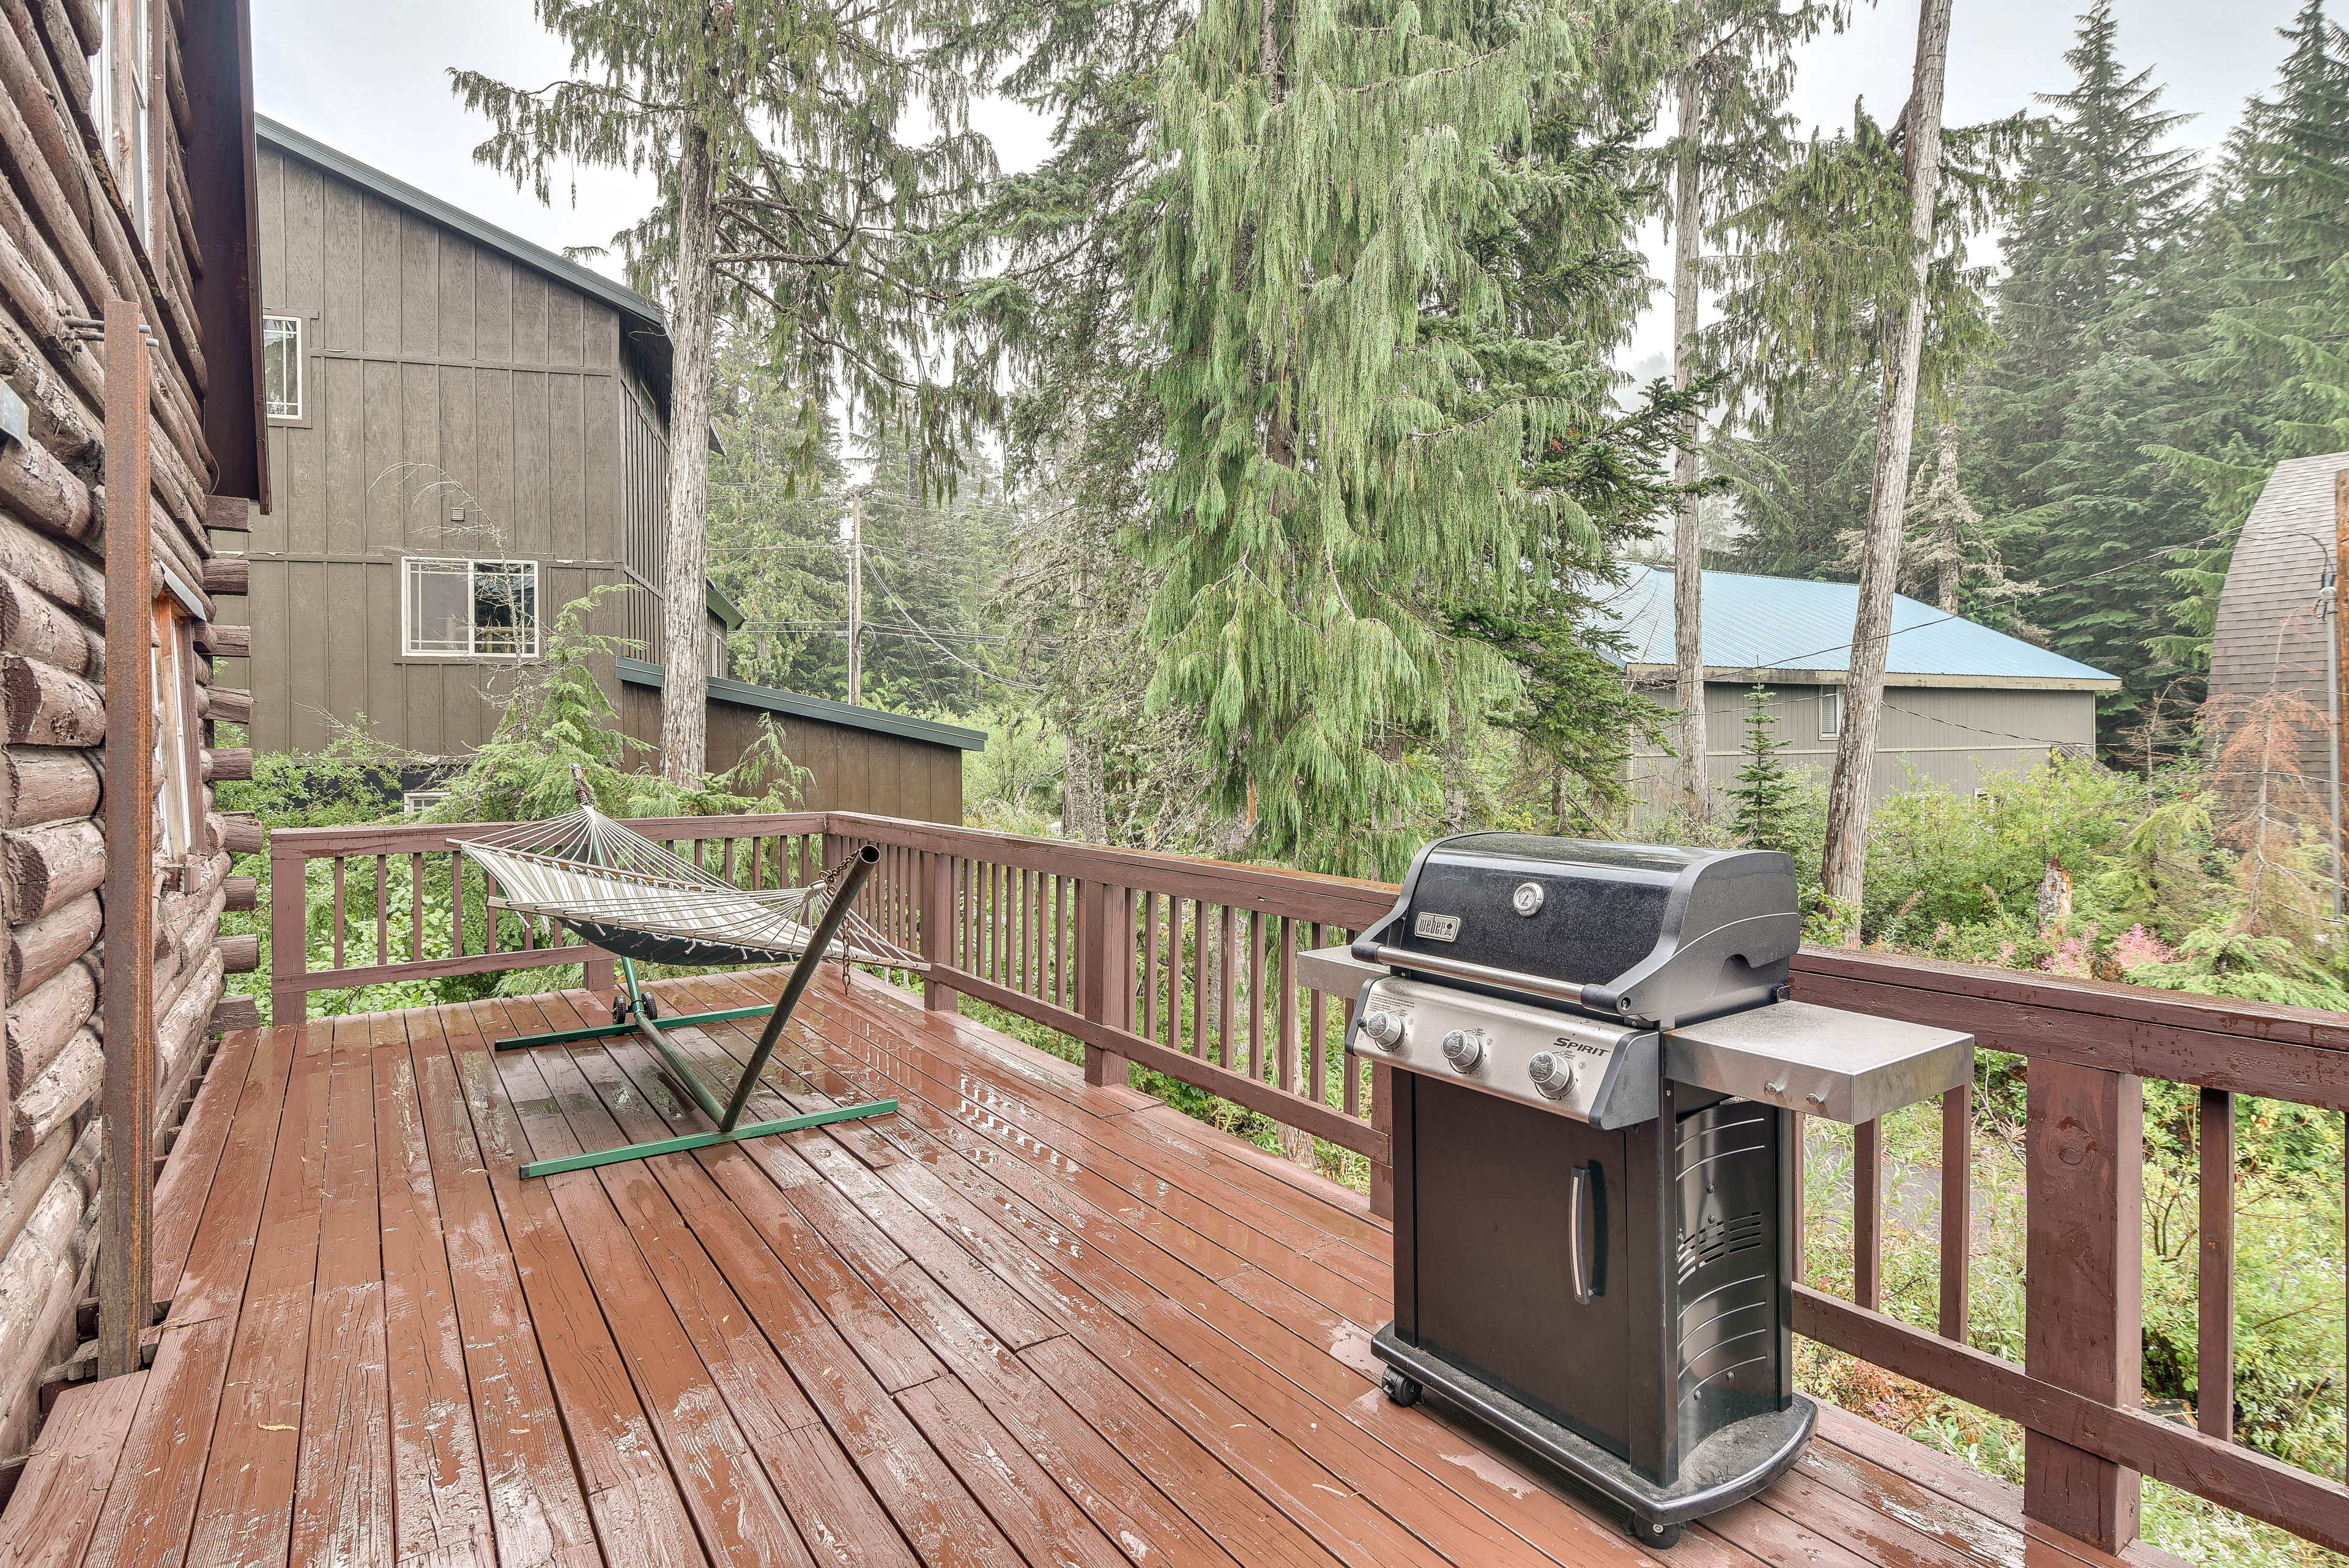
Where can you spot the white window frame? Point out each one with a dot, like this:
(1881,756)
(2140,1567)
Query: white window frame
(1830,712)
(301,367)
(121,95)
(142,152)
(417,802)
(407,566)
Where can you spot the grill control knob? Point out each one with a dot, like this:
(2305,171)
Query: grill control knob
(1464,1048)
(1383,1030)
(1552,1074)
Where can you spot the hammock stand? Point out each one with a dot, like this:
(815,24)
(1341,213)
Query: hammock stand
(628,895)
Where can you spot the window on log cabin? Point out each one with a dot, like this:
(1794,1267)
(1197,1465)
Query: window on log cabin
(121,92)
(281,365)
(472,608)
(179,773)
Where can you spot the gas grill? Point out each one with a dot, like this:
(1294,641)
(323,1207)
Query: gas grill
(1593,1126)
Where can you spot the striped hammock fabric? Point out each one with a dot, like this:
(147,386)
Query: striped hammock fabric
(630,896)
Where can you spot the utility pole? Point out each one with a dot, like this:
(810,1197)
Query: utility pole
(856,596)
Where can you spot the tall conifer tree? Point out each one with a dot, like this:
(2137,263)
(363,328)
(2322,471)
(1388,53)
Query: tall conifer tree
(1349,414)
(772,131)
(2099,333)
(1733,66)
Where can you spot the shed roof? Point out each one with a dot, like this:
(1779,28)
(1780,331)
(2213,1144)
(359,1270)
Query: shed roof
(1783,628)
(725,689)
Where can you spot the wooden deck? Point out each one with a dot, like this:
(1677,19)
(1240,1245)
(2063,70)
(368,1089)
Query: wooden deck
(1021,1320)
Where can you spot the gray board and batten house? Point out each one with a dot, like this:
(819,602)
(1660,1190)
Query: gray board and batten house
(468,432)
(1962,701)
(2271,631)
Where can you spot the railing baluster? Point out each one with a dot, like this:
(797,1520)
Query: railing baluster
(457,903)
(1957,1210)
(1227,976)
(1150,966)
(1284,1063)
(1199,979)
(1034,911)
(1352,1068)
(339,863)
(2214,1363)
(1867,1218)
(1007,914)
(1316,1031)
(1258,1058)
(1063,907)
(416,910)
(382,908)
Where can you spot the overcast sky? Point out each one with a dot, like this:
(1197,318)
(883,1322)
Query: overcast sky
(371,80)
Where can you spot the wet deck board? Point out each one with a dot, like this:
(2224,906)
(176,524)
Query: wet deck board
(1023,1321)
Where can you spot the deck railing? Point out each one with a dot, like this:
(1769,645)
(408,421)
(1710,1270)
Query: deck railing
(1189,968)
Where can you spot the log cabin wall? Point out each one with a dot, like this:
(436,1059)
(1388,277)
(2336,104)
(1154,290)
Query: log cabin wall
(100,199)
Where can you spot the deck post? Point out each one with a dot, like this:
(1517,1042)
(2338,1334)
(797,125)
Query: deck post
(2084,1288)
(1097,992)
(289,935)
(941,929)
(127,1200)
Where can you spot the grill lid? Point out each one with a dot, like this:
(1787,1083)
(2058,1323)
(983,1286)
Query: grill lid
(1648,933)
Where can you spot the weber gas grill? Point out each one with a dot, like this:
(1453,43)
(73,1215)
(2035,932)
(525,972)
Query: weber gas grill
(1593,1123)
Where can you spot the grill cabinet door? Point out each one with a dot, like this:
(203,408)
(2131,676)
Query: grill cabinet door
(1492,1185)
(1730,1334)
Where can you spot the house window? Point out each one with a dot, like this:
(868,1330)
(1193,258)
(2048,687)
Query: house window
(178,801)
(281,365)
(1830,711)
(120,91)
(473,608)
(417,802)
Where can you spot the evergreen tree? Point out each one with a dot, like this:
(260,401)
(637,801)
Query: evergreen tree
(1350,414)
(1800,482)
(1947,560)
(773,133)
(1766,795)
(2099,333)
(1734,67)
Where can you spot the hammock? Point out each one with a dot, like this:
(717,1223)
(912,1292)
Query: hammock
(632,897)
(628,895)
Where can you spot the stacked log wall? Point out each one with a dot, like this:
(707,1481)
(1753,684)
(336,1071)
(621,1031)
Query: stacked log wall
(68,243)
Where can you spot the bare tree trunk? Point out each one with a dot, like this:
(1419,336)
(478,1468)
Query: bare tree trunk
(1688,543)
(1084,806)
(685,674)
(1845,861)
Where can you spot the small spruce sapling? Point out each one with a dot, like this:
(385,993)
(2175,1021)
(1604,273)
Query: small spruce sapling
(1766,793)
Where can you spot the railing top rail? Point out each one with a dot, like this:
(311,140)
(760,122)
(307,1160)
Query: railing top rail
(1346,901)
(403,837)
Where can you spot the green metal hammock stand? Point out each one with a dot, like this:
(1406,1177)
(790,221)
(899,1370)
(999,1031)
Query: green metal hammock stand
(634,899)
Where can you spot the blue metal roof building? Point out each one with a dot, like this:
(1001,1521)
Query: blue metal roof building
(1776,628)
(1961,701)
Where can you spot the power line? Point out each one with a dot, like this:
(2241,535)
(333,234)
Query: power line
(950,653)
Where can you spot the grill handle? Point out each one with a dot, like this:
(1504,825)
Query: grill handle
(1577,1257)
(1481,974)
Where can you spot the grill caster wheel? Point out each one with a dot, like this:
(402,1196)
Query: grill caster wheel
(651,1008)
(619,1009)
(1662,1537)
(1399,1388)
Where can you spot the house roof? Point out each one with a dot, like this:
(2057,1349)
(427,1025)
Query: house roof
(724,688)
(643,325)
(1764,629)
